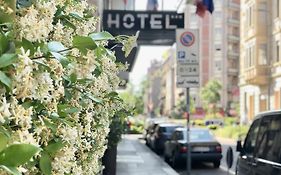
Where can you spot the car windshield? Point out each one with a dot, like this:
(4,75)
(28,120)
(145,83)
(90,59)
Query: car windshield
(199,135)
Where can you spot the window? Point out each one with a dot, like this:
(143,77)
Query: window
(218,66)
(270,139)
(250,142)
(250,56)
(277,51)
(277,8)
(262,54)
(250,16)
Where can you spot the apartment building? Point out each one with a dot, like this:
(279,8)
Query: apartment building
(219,48)
(260,61)
(152,96)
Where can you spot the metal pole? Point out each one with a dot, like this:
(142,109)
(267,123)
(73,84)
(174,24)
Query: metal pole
(188,156)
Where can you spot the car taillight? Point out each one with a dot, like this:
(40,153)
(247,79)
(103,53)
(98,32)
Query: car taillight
(183,149)
(218,149)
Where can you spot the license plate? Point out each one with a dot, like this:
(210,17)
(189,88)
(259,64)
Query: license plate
(201,149)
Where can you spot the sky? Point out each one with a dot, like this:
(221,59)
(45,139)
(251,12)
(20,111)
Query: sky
(148,53)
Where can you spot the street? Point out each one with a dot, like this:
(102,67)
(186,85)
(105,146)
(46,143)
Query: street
(207,168)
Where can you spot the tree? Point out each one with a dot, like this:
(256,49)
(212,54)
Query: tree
(210,94)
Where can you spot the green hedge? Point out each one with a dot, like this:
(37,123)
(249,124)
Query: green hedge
(233,132)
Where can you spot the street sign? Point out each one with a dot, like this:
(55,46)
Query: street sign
(187,58)
(183,82)
(185,70)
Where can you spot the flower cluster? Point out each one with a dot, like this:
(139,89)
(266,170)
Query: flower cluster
(62,102)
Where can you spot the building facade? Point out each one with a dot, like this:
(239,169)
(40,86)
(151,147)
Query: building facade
(260,61)
(219,48)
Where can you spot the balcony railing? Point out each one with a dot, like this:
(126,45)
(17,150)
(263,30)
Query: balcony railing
(257,75)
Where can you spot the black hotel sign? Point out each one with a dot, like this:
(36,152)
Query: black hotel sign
(155,27)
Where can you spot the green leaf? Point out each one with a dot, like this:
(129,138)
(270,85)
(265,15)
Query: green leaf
(4,44)
(27,45)
(26,152)
(83,43)
(3,141)
(5,80)
(76,16)
(12,170)
(55,46)
(45,164)
(71,110)
(112,94)
(24,3)
(51,125)
(68,23)
(46,67)
(7,59)
(101,36)
(55,115)
(73,78)
(92,97)
(54,146)
(62,59)
(67,109)
(97,72)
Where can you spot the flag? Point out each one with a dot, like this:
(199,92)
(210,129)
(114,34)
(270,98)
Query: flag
(152,5)
(203,5)
(125,1)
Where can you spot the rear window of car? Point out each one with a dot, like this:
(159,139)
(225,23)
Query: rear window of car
(168,129)
(198,135)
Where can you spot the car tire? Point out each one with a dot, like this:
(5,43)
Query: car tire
(174,161)
(217,164)
(167,159)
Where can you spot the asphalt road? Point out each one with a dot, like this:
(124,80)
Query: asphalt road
(207,168)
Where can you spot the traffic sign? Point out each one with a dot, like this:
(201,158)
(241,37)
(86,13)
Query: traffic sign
(183,82)
(185,69)
(187,39)
(187,58)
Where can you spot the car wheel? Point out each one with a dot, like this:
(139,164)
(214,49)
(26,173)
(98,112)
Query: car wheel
(217,164)
(166,158)
(174,161)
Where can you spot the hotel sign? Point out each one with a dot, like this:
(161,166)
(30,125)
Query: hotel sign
(153,25)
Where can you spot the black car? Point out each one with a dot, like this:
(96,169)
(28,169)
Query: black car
(162,132)
(150,131)
(261,151)
(204,148)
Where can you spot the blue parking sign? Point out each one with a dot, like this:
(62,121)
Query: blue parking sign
(181,55)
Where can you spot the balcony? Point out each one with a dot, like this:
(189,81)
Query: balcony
(233,5)
(232,71)
(257,75)
(233,21)
(233,38)
(232,54)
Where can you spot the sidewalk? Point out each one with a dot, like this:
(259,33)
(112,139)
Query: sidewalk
(134,158)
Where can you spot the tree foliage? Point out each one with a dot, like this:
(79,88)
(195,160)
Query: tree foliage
(210,93)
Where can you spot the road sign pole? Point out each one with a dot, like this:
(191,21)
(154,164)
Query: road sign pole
(188,153)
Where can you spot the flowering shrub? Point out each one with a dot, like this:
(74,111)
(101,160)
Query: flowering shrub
(57,87)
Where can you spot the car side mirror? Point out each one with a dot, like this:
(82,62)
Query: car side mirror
(239,147)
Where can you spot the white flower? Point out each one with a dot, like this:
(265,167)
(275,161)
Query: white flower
(129,44)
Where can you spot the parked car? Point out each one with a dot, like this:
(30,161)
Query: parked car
(204,148)
(216,122)
(150,131)
(261,151)
(162,132)
(148,124)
